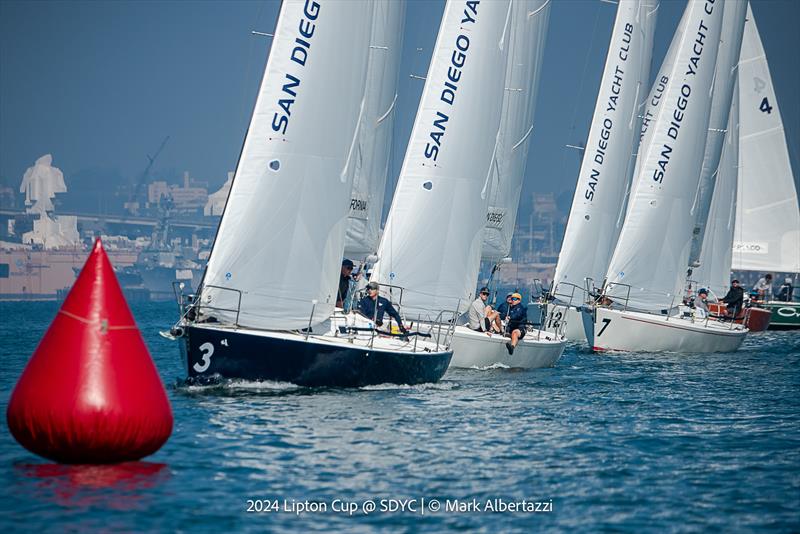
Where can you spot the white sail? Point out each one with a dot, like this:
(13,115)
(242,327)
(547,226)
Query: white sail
(431,245)
(767,234)
(651,105)
(527,34)
(371,165)
(715,258)
(724,79)
(281,237)
(592,226)
(653,247)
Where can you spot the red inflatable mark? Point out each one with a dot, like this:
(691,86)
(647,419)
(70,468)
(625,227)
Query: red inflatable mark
(91,393)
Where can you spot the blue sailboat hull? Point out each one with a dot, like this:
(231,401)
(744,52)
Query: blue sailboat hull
(213,352)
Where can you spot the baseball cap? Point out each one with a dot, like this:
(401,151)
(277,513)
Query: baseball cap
(484,290)
(347,263)
(516,296)
(703,290)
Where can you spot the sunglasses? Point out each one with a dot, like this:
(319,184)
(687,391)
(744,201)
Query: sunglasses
(515,300)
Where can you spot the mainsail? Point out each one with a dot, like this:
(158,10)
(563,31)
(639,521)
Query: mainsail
(724,79)
(715,259)
(431,245)
(527,33)
(653,246)
(767,236)
(280,241)
(371,162)
(592,227)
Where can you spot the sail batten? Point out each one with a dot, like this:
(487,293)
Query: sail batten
(288,193)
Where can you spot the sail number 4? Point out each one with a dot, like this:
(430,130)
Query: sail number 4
(765,107)
(207,350)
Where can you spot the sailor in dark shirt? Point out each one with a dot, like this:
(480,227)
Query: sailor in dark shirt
(367,307)
(734,298)
(517,319)
(503,308)
(786,290)
(344,282)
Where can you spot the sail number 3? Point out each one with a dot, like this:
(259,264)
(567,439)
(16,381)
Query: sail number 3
(208,350)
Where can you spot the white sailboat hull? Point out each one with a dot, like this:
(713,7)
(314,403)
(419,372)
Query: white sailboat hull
(472,349)
(573,329)
(631,331)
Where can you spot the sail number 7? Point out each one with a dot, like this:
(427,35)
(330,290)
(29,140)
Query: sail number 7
(606,322)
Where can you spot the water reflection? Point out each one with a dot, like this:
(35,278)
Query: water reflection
(118,486)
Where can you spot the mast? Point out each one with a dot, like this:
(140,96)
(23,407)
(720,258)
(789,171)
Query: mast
(592,226)
(431,244)
(653,246)
(371,164)
(280,241)
(767,216)
(528,33)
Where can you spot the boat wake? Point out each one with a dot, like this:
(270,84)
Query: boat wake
(217,384)
(440,386)
(491,367)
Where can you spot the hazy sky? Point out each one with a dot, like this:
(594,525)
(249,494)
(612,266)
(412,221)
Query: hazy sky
(100,84)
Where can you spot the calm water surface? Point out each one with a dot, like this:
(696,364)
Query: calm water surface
(625,443)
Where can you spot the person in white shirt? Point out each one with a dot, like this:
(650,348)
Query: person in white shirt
(481,315)
(701,303)
(764,287)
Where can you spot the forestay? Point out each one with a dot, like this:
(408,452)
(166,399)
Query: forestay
(371,161)
(724,79)
(592,227)
(715,259)
(527,32)
(281,236)
(431,245)
(653,246)
(767,234)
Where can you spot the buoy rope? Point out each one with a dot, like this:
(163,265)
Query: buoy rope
(104,326)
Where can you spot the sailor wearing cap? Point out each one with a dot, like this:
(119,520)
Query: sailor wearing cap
(701,302)
(517,320)
(374,307)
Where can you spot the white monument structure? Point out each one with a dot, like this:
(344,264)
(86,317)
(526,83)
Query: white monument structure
(216,200)
(40,184)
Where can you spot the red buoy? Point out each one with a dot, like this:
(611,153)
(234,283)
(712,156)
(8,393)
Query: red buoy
(91,393)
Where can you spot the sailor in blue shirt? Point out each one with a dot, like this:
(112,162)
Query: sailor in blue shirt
(503,308)
(367,305)
(517,319)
